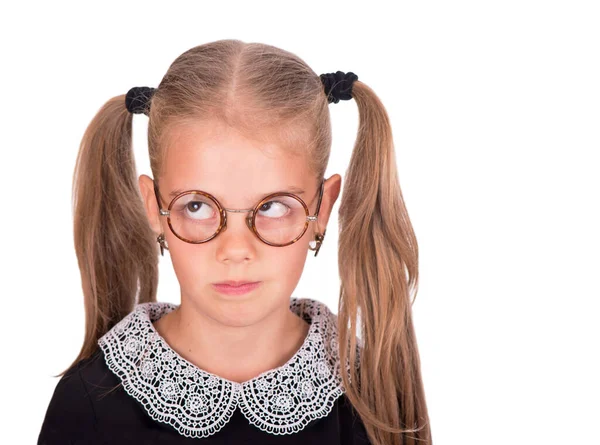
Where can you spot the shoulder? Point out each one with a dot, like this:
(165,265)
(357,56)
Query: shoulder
(352,428)
(70,416)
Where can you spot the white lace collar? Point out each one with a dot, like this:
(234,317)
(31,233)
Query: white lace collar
(198,404)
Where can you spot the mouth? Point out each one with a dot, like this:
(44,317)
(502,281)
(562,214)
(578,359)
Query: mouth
(236,287)
(236,283)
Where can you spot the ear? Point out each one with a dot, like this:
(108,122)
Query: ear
(146,185)
(331,191)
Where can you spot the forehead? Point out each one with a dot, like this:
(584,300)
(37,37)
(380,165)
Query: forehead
(216,158)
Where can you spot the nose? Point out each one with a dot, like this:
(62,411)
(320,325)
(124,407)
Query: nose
(236,237)
(229,216)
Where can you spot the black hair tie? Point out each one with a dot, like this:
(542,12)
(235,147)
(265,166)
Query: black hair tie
(138,99)
(338,85)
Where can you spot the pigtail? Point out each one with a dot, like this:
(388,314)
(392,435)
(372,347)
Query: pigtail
(115,245)
(378,263)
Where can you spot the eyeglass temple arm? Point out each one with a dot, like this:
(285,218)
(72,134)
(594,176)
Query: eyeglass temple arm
(157,194)
(314,218)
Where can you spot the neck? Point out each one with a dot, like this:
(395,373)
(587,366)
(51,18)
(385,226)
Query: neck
(234,349)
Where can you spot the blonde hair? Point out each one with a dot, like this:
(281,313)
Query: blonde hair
(257,86)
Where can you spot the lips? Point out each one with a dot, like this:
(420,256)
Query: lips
(237,288)
(235,283)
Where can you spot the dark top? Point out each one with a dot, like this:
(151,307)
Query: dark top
(84,410)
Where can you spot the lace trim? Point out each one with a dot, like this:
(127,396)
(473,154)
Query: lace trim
(198,403)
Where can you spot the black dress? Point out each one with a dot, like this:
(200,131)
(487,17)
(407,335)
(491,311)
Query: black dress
(137,390)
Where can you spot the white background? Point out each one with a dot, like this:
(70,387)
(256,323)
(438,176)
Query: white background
(495,108)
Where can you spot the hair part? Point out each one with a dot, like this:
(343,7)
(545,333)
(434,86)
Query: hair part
(250,86)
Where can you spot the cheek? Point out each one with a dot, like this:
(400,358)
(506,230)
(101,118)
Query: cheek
(192,266)
(284,266)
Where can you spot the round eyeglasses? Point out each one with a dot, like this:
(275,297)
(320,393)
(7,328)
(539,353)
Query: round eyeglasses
(279,219)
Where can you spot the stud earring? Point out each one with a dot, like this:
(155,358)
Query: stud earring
(315,245)
(163,243)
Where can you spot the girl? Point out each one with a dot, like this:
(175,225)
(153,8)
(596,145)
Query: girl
(239,137)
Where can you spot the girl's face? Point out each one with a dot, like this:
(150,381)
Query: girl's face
(238,172)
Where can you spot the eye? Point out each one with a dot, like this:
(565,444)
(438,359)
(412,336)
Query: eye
(198,210)
(274,209)
(194,207)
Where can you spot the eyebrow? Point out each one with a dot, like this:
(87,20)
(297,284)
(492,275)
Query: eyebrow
(290,189)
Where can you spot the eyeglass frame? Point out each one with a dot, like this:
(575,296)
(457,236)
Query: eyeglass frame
(250,219)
